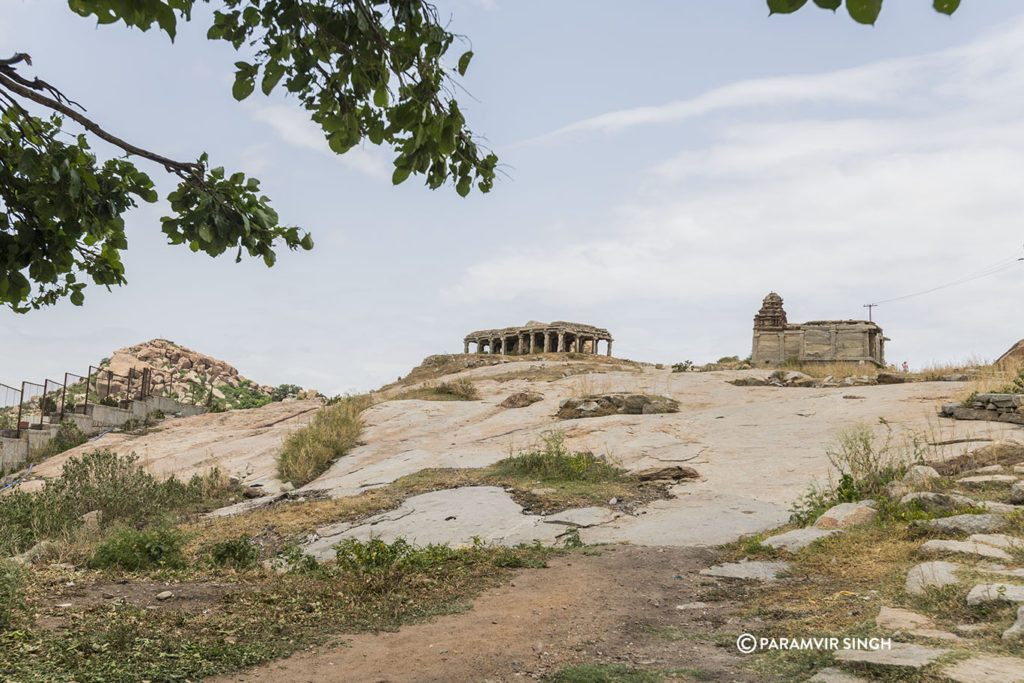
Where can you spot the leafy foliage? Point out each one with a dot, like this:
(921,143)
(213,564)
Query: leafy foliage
(283,391)
(240,553)
(554,462)
(364,71)
(12,591)
(135,550)
(862,11)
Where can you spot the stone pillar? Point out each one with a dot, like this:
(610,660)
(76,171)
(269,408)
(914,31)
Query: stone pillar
(495,347)
(547,342)
(524,342)
(609,348)
(479,346)
(465,346)
(561,342)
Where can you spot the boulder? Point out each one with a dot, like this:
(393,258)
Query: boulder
(522,399)
(930,574)
(1017,494)
(995,592)
(1016,631)
(998,540)
(889,378)
(91,521)
(846,515)
(937,502)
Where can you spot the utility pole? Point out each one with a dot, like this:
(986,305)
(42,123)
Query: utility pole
(869,307)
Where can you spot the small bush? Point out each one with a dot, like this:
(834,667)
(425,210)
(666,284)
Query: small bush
(460,388)
(134,550)
(682,367)
(241,553)
(554,462)
(12,593)
(245,395)
(283,391)
(67,437)
(335,429)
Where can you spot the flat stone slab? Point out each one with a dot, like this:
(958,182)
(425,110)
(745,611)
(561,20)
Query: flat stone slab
(834,675)
(987,480)
(920,474)
(901,654)
(896,619)
(945,502)
(995,592)
(966,548)
(798,539)
(752,571)
(927,574)
(452,516)
(998,540)
(986,669)
(965,524)
(582,517)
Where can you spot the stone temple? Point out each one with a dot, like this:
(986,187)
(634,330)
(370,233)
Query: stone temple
(819,341)
(536,337)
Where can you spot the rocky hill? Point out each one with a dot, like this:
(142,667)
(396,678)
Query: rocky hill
(190,376)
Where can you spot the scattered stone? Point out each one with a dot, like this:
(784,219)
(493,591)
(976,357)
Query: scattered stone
(937,502)
(965,547)
(986,669)
(1017,493)
(986,480)
(965,524)
(901,654)
(920,474)
(756,571)
(107,596)
(987,469)
(995,592)
(35,553)
(998,540)
(968,629)
(164,595)
(613,501)
(546,491)
(612,404)
(997,508)
(1005,572)
(582,517)
(927,574)
(895,489)
(522,399)
(846,515)
(833,675)
(1017,630)
(1018,469)
(674,473)
(955,378)
(889,378)
(692,605)
(287,486)
(798,539)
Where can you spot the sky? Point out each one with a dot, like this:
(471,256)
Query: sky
(665,165)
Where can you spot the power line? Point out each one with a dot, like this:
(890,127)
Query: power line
(991,270)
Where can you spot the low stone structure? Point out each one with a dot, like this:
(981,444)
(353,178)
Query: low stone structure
(989,407)
(820,341)
(537,337)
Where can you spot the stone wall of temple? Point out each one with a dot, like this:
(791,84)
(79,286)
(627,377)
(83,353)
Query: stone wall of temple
(777,341)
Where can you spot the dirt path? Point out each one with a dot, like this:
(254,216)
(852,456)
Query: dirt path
(618,606)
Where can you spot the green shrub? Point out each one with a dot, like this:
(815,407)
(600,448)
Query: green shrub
(67,437)
(554,462)
(334,430)
(134,549)
(246,395)
(12,593)
(241,553)
(682,367)
(114,485)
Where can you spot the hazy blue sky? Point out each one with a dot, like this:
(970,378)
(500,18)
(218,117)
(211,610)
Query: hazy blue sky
(668,166)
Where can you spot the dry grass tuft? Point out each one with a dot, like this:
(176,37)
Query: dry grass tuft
(308,452)
(455,390)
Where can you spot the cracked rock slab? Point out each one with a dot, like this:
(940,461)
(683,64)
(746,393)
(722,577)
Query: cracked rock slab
(901,654)
(452,517)
(987,479)
(986,669)
(965,524)
(965,548)
(582,517)
(846,515)
(999,541)
(752,571)
(798,539)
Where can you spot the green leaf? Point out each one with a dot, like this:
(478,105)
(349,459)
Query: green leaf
(463,186)
(828,4)
(946,6)
(244,85)
(400,174)
(864,11)
(272,73)
(77,298)
(467,56)
(380,97)
(784,6)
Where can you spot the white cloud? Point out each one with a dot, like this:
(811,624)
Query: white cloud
(916,184)
(295,128)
